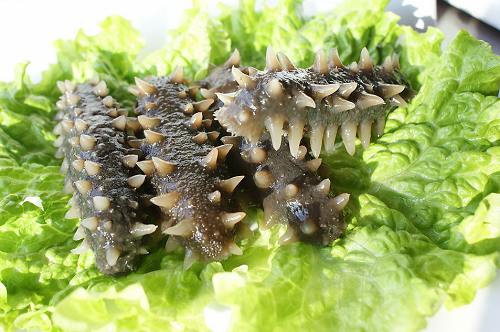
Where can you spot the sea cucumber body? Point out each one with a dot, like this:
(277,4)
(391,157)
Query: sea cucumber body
(94,145)
(187,170)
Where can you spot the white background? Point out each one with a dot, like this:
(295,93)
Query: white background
(28,28)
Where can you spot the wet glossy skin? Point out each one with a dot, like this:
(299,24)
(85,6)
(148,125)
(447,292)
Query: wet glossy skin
(207,238)
(115,223)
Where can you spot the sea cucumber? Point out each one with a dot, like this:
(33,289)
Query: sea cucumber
(285,100)
(291,191)
(98,165)
(187,169)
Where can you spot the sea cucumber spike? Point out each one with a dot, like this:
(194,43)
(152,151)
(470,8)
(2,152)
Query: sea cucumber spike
(354,67)
(210,160)
(324,187)
(302,152)
(398,101)
(289,237)
(196,120)
(92,168)
(274,88)
(379,126)
(207,123)
(389,90)
(335,58)
(200,138)
(58,130)
(72,213)
(230,184)
(231,219)
(223,151)
(320,63)
(295,134)
(365,61)
(83,186)
(78,165)
(346,89)
(81,125)
(252,71)
(234,59)
(226,98)
(365,132)
(313,165)
(150,105)
(177,75)
(147,122)
(339,202)
(291,190)
(61,86)
(242,79)
(168,200)
(367,100)
(189,259)
(193,91)
(274,125)
(207,93)
(340,104)
(136,180)
(72,99)
(145,87)
(395,61)
(135,143)
(82,248)
(64,166)
(153,137)
(90,223)
(302,100)
(263,179)
(234,140)
(134,90)
(108,101)
(61,105)
(79,234)
(163,167)
(189,108)
(213,135)
(215,197)
(101,203)
(172,244)
(272,63)
(73,141)
(184,228)
(234,249)
(329,138)
(139,229)
(101,89)
(113,113)
(316,139)
(67,125)
(257,155)
(146,166)
(387,65)
(321,91)
(133,123)
(120,122)
(94,80)
(203,105)
(70,86)
(59,141)
(348,133)
(87,142)
(285,62)
(112,255)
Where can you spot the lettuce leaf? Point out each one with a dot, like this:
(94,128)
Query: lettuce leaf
(424,226)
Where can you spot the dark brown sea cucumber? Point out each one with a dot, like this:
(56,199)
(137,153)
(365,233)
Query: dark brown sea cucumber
(187,168)
(291,191)
(288,101)
(98,163)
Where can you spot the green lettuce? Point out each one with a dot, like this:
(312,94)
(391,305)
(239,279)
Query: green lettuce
(424,225)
